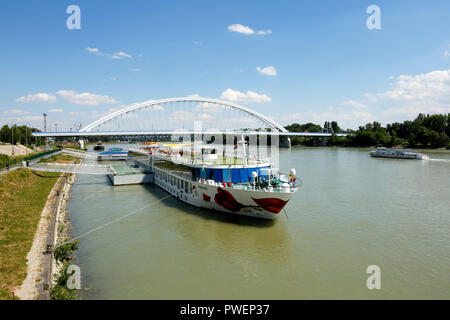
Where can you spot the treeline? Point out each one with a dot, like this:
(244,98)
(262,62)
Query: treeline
(19,134)
(426,131)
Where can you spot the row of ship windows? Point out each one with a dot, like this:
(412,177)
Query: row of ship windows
(174,181)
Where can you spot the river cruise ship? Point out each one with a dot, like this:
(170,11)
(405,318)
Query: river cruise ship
(239,184)
(397,154)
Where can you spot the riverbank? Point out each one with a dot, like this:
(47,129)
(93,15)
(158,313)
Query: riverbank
(23,195)
(28,202)
(418,149)
(40,264)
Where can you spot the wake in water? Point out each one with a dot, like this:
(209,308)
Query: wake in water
(447,160)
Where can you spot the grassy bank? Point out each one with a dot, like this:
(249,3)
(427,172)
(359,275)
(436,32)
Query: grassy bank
(23,194)
(22,197)
(7,160)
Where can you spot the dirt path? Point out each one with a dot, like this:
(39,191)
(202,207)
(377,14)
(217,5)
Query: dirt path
(39,262)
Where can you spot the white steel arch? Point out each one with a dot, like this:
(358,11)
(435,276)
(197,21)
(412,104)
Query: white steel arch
(153,103)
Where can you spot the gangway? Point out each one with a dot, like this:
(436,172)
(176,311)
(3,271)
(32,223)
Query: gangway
(72,168)
(80,154)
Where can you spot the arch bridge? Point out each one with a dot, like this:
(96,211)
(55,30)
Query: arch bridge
(185,115)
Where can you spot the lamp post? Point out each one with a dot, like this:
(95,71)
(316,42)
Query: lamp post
(12,139)
(26,138)
(45,127)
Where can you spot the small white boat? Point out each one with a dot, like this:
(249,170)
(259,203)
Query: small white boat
(397,154)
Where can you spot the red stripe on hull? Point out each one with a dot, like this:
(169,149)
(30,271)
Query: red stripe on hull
(273,205)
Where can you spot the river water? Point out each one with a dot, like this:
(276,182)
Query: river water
(351,212)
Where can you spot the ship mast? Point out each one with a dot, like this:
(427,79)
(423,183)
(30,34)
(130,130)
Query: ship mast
(244,151)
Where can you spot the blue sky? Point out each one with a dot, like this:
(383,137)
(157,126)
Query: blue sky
(314,61)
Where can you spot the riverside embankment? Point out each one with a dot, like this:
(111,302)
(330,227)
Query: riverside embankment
(32,205)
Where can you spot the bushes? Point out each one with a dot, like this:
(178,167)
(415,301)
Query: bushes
(64,252)
(6,160)
(60,291)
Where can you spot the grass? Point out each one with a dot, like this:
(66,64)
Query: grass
(59,158)
(11,160)
(23,194)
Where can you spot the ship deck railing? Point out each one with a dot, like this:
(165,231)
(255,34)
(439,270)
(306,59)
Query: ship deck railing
(239,186)
(248,186)
(219,160)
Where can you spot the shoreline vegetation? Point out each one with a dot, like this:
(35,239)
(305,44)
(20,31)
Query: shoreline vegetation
(424,132)
(63,252)
(27,208)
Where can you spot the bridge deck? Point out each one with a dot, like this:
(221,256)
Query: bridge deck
(171,133)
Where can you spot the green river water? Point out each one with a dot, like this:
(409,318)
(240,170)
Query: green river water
(351,212)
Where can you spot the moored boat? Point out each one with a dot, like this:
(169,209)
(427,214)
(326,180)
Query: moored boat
(99,147)
(113,154)
(223,183)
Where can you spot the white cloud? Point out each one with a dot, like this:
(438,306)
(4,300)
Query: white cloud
(116,55)
(240,29)
(247,30)
(31,118)
(353,103)
(446,53)
(241,121)
(422,93)
(85,98)
(157,107)
(93,50)
(56,110)
(16,111)
(269,71)
(121,55)
(109,79)
(370,97)
(208,107)
(250,96)
(410,95)
(43,97)
(187,116)
(263,32)
(434,85)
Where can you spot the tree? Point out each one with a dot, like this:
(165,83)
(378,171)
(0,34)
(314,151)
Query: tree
(443,140)
(5,134)
(335,127)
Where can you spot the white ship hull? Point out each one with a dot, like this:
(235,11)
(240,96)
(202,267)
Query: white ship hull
(241,200)
(398,155)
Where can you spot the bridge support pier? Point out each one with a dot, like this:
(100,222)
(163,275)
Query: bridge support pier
(81,142)
(285,142)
